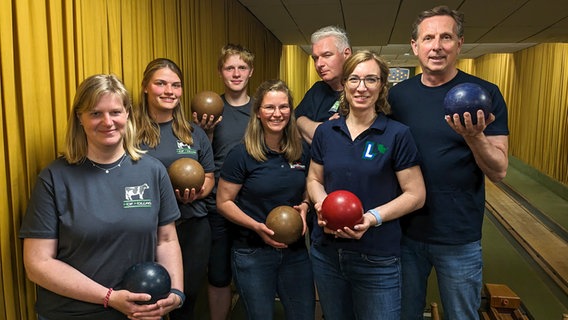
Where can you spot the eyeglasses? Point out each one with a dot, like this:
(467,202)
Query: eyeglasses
(270,109)
(369,82)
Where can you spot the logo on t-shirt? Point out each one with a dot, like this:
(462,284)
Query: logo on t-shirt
(134,197)
(297,165)
(372,149)
(334,107)
(184,148)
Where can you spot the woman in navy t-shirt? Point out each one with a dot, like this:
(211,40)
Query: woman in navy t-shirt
(266,171)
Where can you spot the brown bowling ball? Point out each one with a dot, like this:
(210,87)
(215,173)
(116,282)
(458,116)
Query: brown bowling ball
(286,223)
(186,173)
(207,102)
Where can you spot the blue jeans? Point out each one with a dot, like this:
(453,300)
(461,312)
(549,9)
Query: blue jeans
(261,273)
(352,285)
(459,273)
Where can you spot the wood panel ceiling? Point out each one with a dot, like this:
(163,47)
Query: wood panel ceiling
(491,26)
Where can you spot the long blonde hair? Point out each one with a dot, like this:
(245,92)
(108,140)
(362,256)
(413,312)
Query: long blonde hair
(88,95)
(148,128)
(291,143)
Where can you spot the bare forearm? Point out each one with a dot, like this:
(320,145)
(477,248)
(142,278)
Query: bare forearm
(59,277)
(412,197)
(491,155)
(404,204)
(208,184)
(316,191)
(232,212)
(226,194)
(314,184)
(307,128)
(168,254)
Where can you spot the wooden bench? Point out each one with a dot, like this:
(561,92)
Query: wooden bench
(498,302)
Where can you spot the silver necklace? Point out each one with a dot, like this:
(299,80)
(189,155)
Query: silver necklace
(107,170)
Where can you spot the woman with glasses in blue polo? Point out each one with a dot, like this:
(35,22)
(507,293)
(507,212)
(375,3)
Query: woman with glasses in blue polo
(268,170)
(357,271)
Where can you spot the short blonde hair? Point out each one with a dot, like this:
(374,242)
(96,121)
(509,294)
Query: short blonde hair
(88,95)
(230,50)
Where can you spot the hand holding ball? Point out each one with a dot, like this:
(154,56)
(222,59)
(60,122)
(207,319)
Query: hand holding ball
(147,277)
(207,102)
(186,173)
(467,97)
(340,209)
(286,223)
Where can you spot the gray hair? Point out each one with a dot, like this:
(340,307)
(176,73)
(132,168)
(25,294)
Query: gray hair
(341,39)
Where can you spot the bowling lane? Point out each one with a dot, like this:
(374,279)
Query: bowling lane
(505,263)
(524,180)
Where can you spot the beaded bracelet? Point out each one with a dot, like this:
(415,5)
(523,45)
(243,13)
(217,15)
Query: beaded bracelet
(107,297)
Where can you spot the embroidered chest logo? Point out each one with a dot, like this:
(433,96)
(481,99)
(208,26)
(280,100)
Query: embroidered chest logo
(297,165)
(184,148)
(372,149)
(134,197)
(334,107)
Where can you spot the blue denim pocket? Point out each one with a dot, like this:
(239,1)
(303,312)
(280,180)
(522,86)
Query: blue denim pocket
(380,261)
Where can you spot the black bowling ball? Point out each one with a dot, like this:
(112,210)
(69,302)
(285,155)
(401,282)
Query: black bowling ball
(147,277)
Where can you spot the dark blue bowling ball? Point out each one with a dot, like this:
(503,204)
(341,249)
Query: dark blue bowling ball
(467,97)
(147,277)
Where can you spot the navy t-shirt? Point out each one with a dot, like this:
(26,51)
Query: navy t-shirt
(265,185)
(230,131)
(319,103)
(455,189)
(367,167)
(227,134)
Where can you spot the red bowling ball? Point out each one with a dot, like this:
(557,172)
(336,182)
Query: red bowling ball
(340,209)
(467,97)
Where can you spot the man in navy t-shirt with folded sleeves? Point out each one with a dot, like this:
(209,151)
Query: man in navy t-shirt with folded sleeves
(330,49)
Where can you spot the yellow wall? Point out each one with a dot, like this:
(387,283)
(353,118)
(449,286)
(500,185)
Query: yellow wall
(539,109)
(534,83)
(297,70)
